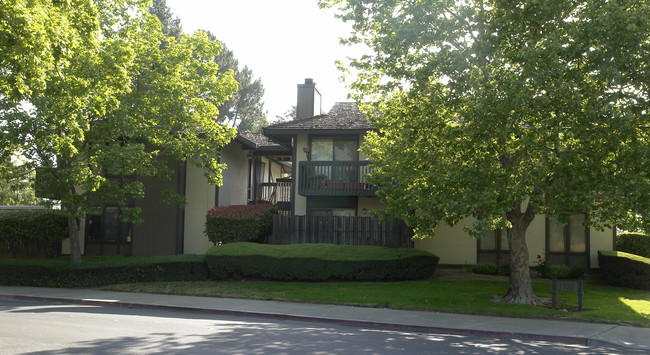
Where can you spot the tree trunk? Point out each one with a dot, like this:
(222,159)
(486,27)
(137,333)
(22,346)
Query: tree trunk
(521,287)
(75,246)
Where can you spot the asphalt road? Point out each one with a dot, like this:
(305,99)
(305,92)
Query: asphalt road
(44,328)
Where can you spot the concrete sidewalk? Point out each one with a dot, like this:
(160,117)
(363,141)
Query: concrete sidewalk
(433,322)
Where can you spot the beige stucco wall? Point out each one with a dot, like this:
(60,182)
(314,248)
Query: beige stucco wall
(455,247)
(451,244)
(235,177)
(370,204)
(199,196)
(599,240)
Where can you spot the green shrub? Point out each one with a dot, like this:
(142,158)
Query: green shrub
(634,243)
(546,270)
(319,262)
(240,223)
(625,269)
(99,271)
(32,232)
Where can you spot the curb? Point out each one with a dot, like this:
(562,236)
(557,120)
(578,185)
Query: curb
(324,320)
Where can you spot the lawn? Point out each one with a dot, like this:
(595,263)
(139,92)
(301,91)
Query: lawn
(601,303)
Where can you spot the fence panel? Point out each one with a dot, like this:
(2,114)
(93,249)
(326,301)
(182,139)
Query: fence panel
(340,230)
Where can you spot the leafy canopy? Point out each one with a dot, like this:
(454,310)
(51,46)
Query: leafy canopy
(95,94)
(489,108)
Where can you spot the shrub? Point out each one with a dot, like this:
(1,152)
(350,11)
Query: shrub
(99,271)
(32,232)
(490,269)
(319,262)
(634,243)
(546,270)
(625,269)
(239,223)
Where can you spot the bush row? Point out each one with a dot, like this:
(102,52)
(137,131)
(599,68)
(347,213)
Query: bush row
(319,262)
(99,271)
(32,232)
(634,243)
(625,269)
(239,223)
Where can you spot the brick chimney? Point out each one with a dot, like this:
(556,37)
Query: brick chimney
(309,100)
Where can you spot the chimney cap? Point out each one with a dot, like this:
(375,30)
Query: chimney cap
(309,81)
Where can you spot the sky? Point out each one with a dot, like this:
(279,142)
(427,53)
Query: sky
(282,42)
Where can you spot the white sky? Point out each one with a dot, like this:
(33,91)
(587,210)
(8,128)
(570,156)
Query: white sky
(282,42)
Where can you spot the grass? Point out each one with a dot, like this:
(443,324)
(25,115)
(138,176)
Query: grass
(600,303)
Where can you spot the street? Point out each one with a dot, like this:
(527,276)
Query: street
(45,328)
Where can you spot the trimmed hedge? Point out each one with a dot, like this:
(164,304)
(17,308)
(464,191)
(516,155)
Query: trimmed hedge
(634,243)
(32,232)
(624,269)
(239,223)
(99,271)
(319,262)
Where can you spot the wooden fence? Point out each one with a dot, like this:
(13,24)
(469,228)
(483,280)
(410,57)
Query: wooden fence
(289,229)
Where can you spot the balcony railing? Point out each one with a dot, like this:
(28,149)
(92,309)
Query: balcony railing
(335,178)
(277,193)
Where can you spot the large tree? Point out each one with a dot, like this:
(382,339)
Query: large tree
(104,102)
(245,109)
(501,110)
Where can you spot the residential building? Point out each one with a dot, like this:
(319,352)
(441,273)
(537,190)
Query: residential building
(329,180)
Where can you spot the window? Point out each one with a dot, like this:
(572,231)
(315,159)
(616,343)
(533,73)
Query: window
(567,244)
(493,248)
(106,234)
(333,149)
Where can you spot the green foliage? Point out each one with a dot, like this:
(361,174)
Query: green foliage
(37,231)
(624,269)
(546,270)
(110,98)
(245,109)
(505,110)
(240,223)
(634,243)
(319,262)
(100,271)
(490,269)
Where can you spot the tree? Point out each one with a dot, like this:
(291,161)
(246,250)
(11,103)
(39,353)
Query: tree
(245,109)
(288,115)
(117,104)
(500,110)
(171,26)
(16,185)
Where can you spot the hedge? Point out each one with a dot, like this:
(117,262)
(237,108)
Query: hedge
(101,270)
(32,232)
(625,269)
(319,262)
(634,243)
(239,223)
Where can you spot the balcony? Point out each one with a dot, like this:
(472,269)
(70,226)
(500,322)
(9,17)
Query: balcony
(335,178)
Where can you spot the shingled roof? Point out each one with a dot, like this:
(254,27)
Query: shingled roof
(261,143)
(343,118)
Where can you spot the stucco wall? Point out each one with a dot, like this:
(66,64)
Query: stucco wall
(451,244)
(199,195)
(600,240)
(455,247)
(235,177)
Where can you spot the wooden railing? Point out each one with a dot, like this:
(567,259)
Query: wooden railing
(277,193)
(289,229)
(335,178)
